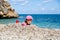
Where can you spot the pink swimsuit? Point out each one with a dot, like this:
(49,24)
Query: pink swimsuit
(24,24)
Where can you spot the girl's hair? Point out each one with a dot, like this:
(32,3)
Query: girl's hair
(26,22)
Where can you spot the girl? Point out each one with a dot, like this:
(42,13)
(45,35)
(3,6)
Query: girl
(27,21)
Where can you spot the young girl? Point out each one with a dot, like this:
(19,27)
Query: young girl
(27,21)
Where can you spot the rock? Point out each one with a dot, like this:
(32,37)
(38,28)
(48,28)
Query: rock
(1,13)
(6,11)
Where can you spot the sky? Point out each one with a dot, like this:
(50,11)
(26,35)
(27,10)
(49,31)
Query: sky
(36,6)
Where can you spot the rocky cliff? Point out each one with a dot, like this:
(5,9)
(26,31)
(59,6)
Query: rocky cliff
(6,11)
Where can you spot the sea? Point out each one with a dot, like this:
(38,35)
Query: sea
(41,20)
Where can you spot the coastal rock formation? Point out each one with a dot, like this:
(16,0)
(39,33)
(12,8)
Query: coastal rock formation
(6,11)
(31,32)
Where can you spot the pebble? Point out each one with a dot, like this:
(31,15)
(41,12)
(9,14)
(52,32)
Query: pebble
(11,32)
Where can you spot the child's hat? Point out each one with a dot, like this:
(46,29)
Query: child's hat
(29,17)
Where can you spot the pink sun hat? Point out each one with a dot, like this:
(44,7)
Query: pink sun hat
(29,17)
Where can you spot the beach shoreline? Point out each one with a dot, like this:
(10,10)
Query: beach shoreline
(15,31)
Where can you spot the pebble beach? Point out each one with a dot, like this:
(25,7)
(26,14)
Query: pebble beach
(47,17)
(14,31)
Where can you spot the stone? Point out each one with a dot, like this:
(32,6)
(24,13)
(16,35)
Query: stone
(10,32)
(6,11)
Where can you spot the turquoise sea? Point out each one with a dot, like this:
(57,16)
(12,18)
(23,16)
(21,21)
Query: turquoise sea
(41,20)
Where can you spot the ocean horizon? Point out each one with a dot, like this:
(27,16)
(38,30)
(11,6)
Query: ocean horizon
(41,20)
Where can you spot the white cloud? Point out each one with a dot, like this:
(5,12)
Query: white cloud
(34,10)
(21,2)
(45,1)
(23,10)
(17,0)
(42,8)
(38,7)
(25,2)
(52,8)
(38,4)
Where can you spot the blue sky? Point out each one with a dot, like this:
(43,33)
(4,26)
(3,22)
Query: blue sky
(36,6)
